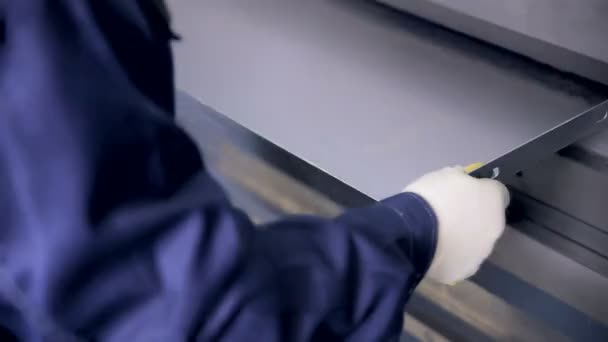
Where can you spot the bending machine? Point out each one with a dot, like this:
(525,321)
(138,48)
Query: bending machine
(313,106)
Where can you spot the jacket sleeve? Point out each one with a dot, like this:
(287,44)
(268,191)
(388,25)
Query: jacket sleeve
(111,228)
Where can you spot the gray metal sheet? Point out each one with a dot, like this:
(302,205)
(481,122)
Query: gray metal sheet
(373,98)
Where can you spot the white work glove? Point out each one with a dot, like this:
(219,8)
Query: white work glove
(471,217)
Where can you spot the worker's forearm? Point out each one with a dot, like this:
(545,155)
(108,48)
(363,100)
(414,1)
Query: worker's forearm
(352,275)
(301,278)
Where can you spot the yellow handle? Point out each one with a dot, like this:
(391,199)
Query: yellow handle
(472,167)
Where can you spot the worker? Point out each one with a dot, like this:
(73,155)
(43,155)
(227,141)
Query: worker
(111,228)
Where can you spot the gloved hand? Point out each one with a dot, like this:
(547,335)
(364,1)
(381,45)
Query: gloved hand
(471,217)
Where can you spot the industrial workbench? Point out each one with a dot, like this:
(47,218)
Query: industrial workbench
(356,100)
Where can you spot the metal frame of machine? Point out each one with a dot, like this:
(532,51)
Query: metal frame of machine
(526,40)
(541,147)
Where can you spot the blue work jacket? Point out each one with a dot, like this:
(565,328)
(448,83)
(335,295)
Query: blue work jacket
(111,229)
